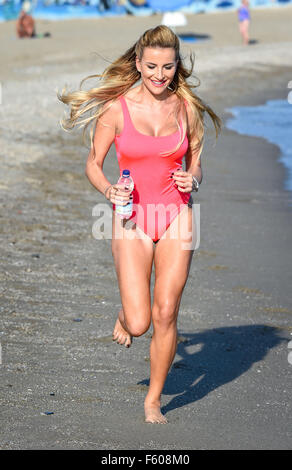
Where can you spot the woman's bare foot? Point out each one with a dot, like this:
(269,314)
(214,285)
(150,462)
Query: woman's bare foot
(153,413)
(120,335)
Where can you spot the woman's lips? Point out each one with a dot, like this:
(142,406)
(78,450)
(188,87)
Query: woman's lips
(158,83)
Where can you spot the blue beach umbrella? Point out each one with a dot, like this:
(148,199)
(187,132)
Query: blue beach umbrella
(168,5)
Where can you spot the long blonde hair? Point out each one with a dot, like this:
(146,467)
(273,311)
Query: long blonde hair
(122,74)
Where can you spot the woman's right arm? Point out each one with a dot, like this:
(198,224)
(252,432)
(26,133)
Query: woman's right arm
(104,136)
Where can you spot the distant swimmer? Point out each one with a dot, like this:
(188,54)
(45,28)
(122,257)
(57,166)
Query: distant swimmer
(244,20)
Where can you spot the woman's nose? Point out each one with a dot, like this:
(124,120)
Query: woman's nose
(159,74)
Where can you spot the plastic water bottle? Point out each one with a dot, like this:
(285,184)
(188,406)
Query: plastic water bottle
(125,212)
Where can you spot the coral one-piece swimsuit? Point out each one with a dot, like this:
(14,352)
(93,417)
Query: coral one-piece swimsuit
(156,199)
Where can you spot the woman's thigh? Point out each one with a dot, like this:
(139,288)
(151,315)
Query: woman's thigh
(243,26)
(172,261)
(133,258)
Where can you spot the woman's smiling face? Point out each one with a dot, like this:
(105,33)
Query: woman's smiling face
(157,67)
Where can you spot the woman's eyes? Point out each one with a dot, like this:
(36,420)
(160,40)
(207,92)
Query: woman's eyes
(168,67)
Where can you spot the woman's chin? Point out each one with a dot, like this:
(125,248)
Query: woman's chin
(156,90)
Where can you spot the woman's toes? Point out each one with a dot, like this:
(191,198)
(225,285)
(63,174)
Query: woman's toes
(163,420)
(154,415)
(120,339)
(120,335)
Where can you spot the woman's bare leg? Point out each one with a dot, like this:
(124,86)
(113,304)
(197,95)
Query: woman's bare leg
(172,264)
(243,27)
(133,259)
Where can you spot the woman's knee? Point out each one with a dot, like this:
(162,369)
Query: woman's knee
(137,327)
(164,314)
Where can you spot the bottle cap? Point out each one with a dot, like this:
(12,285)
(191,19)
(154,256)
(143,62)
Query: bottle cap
(126,173)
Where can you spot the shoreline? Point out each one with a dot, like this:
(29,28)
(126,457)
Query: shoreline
(283,156)
(284,173)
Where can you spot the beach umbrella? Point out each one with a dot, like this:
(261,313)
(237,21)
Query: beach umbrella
(169,5)
(172,19)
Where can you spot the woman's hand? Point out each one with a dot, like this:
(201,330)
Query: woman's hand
(116,194)
(183,180)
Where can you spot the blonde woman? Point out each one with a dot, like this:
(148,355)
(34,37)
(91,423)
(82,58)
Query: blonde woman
(144,104)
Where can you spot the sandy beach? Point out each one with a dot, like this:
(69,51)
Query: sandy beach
(230,383)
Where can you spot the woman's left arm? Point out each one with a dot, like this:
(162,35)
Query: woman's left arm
(187,181)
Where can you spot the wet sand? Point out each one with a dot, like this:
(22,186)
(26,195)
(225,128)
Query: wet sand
(229,386)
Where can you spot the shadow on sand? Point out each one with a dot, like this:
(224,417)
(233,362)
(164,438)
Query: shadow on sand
(212,358)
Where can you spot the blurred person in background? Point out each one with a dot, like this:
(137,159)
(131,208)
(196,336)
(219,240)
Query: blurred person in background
(25,26)
(104,5)
(244,20)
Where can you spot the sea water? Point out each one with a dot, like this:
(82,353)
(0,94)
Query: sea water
(68,9)
(273,121)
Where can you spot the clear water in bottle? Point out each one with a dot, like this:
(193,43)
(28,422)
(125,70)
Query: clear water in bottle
(124,212)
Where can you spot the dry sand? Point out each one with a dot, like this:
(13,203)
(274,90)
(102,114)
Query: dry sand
(230,382)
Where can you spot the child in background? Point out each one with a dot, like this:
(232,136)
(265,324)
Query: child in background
(244,19)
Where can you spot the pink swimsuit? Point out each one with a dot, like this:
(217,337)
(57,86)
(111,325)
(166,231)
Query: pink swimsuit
(156,199)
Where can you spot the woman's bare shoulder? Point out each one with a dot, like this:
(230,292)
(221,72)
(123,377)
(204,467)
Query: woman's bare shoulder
(111,108)
(111,113)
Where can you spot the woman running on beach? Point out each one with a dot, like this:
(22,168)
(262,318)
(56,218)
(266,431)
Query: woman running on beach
(244,19)
(154,125)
